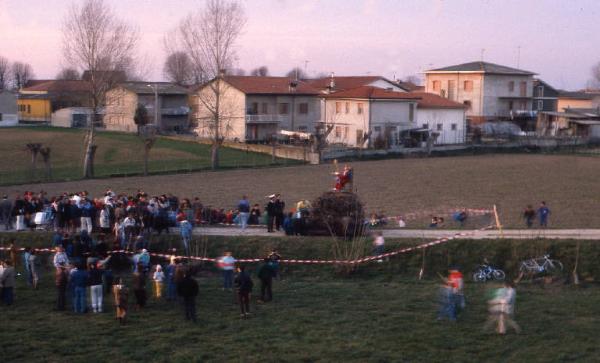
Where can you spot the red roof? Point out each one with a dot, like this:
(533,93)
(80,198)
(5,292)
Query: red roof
(270,85)
(371,92)
(60,86)
(430,100)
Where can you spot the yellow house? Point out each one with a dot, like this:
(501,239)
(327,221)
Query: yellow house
(34,107)
(37,102)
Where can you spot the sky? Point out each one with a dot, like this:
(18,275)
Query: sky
(556,39)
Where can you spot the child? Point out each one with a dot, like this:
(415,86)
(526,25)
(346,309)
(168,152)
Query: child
(158,278)
(244,284)
(121,294)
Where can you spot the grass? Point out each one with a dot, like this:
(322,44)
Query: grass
(118,153)
(382,313)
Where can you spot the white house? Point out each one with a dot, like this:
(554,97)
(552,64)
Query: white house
(441,116)
(8,109)
(254,108)
(368,116)
(488,91)
(71,117)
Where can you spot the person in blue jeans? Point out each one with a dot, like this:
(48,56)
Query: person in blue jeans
(227,264)
(79,280)
(244,208)
(170,278)
(543,213)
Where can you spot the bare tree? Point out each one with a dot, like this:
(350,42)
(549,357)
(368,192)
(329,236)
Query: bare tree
(69,74)
(21,74)
(208,37)
(412,79)
(261,71)
(595,81)
(4,73)
(178,69)
(97,42)
(237,72)
(297,73)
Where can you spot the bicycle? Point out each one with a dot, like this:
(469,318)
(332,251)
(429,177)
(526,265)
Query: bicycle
(541,265)
(485,272)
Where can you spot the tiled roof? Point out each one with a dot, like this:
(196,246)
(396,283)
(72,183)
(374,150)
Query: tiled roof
(431,100)
(370,92)
(482,67)
(270,85)
(59,86)
(344,82)
(148,88)
(577,95)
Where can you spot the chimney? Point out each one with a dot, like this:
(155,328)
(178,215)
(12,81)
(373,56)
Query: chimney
(331,83)
(293,85)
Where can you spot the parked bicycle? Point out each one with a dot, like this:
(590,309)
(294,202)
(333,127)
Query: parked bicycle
(485,272)
(541,265)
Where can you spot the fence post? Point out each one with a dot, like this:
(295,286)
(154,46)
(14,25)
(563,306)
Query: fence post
(498,225)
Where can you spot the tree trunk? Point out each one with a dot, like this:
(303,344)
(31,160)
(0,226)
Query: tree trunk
(90,149)
(214,158)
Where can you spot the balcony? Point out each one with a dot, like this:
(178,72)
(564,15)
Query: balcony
(264,119)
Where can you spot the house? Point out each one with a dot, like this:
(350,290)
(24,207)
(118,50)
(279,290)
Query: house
(37,102)
(166,105)
(578,99)
(545,97)
(71,117)
(255,109)
(8,108)
(340,83)
(489,91)
(368,116)
(443,117)
(583,122)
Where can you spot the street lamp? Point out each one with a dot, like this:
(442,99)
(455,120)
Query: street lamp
(155,88)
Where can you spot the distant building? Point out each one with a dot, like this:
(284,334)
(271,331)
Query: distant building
(334,83)
(71,117)
(368,116)
(488,91)
(8,108)
(578,99)
(545,97)
(441,116)
(122,101)
(583,122)
(37,102)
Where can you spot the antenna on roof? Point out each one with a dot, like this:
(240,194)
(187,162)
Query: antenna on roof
(482,53)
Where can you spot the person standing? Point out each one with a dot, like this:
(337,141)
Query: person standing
(455,279)
(60,257)
(121,295)
(379,245)
(139,286)
(170,276)
(7,281)
(86,211)
(158,277)
(61,280)
(271,210)
(227,265)
(243,284)
(543,213)
(279,209)
(95,282)
(244,209)
(34,268)
(529,216)
(26,266)
(79,280)
(188,290)
(265,274)
(5,212)
(185,228)
(501,309)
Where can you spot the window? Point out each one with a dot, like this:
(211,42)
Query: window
(510,105)
(540,91)
(540,105)
(439,127)
(436,85)
(338,107)
(283,108)
(347,107)
(254,108)
(265,108)
(468,86)
(303,108)
(453,127)
(443,93)
(523,89)
(346,131)
(511,86)
(28,108)
(359,108)
(338,132)
(359,137)
(411,112)
(467,104)
(425,126)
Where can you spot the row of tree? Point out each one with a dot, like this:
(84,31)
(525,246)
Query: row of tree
(14,75)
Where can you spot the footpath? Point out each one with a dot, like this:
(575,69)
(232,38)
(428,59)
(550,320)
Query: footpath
(584,234)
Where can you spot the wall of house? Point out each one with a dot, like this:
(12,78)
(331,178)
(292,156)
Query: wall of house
(347,125)
(8,107)
(388,118)
(458,93)
(293,120)
(34,110)
(71,117)
(563,103)
(450,123)
(496,86)
(232,104)
(120,110)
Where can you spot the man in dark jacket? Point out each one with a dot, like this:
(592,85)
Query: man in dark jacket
(79,279)
(271,209)
(279,209)
(243,284)
(266,274)
(61,280)
(5,212)
(188,290)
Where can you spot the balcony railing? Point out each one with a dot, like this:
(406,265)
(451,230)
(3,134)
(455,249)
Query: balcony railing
(269,118)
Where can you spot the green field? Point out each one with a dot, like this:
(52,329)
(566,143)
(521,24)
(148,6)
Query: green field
(381,313)
(118,154)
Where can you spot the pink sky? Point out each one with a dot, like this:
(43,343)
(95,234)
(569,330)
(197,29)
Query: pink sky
(558,39)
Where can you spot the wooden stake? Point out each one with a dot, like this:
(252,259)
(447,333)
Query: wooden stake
(498,225)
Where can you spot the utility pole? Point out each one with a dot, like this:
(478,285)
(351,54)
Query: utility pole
(518,56)
(482,53)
